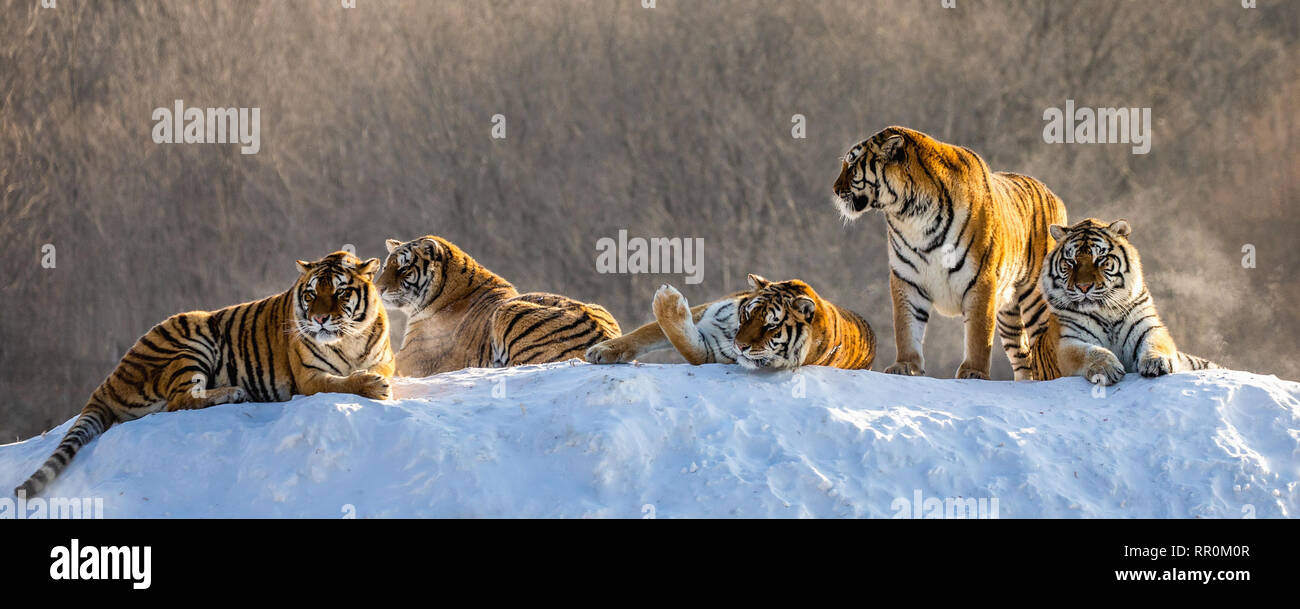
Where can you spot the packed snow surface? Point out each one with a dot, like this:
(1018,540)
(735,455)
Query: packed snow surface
(667,441)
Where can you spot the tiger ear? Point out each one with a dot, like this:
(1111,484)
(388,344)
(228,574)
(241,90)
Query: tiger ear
(805,307)
(368,268)
(431,246)
(892,148)
(304,267)
(1120,227)
(1057,231)
(757,281)
(392,245)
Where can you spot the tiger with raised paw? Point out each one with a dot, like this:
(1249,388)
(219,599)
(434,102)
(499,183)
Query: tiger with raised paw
(1103,321)
(773,325)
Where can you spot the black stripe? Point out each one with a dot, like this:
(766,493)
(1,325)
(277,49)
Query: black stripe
(228,351)
(268,326)
(988,248)
(553,315)
(552,339)
(1138,344)
(898,255)
(919,290)
(1080,327)
(144,340)
(1135,324)
(112,394)
(1033,321)
(321,358)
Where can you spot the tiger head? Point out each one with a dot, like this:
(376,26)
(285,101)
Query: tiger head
(1093,266)
(876,174)
(412,272)
(776,323)
(334,298)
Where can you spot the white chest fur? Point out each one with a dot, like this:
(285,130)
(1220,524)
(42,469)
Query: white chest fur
(718,326)
(944,272)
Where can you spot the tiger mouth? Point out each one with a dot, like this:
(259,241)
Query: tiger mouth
(855,204)
(326,337)
(1094,295)
(767,362)
(393,300)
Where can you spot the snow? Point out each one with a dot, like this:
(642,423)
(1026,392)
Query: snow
(665,441)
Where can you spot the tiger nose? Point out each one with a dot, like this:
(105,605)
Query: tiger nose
(1083,287)
(321,319)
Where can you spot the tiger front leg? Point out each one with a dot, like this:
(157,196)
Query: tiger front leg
(1093,362)
(365,383)
(980,314)
(678,325)
(911,314)
(628,347)
(1157,355)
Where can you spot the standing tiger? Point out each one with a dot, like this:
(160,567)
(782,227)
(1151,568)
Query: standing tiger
(462,315)
(328,333)
(773,325)
(962,241)
(1103,320)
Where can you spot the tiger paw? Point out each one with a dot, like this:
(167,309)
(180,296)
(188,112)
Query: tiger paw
(236,395)
(1102,367)
(670,306)
(370,385)
(1155,365)
(905,369)
(614,351)
(969,371)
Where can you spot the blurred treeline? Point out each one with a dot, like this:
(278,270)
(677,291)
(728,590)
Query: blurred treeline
(667,121)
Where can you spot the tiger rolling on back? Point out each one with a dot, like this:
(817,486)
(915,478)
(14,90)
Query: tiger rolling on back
(328,333)
(773,325)
(962,241)
(1103,321)
(462,315)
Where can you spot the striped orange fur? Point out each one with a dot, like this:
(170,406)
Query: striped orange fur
(962,241)
(328,333)
(1103,319)
(462,315)
(773,325)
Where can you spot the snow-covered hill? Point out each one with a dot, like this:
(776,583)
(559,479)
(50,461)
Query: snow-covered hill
(666,441)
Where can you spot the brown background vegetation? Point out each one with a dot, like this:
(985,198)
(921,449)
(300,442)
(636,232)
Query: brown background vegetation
(671,121)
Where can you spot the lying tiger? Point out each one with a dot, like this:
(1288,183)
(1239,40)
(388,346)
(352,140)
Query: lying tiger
(1103,320)
(328,333)
(463,315)
(773,325)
